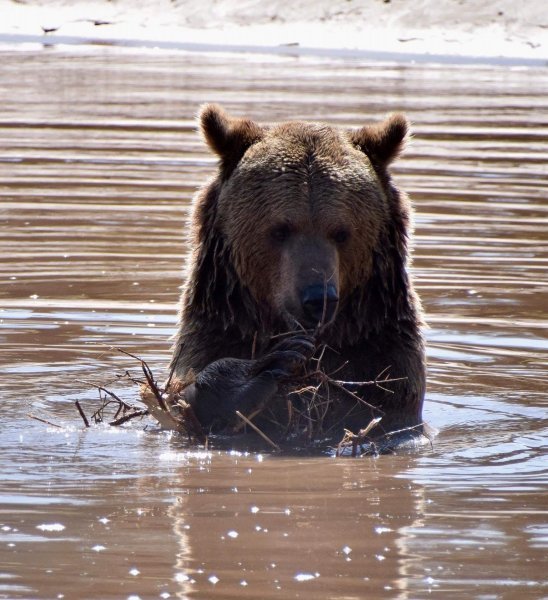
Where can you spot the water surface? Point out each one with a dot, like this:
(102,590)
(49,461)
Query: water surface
(98,162)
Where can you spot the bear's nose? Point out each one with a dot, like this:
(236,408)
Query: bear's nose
(319,303)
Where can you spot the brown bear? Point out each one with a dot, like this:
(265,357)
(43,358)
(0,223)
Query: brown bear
(303,231)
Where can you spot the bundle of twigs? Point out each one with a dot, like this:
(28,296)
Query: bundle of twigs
(165,403)
(303,419)
(358,443)
(310,398)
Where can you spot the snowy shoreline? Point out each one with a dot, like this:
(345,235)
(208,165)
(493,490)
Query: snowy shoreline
(21,42)
(442,31)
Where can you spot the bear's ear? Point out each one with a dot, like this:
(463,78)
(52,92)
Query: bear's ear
(383,142)
(229,138)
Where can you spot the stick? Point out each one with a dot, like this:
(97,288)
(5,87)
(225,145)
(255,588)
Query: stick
(356,439)
(126,418)
(31,416)
(355,396)
(251,416)
(149,377)
(105,391)
(293,332)
(257,430)
(411,427)
(82,414)
(373,423)
(355,386)
(189,416)
(171,373)
(254,346)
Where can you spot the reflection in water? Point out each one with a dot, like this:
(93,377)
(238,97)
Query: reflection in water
(98,162)
(290,508)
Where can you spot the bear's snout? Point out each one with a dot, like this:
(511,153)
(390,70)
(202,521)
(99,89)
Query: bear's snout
(319,303)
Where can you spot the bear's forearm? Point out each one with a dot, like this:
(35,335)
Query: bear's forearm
(225,387)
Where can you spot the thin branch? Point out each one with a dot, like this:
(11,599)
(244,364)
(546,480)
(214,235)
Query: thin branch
(252,415)
(288,333)
(339,368)
(354,440)
(82,414)
(257,430)
(410,428)
(355,396)
(129,376)
(126,418)
(148,376)
(174,366)
(108,392)
(31,416)
(254,346)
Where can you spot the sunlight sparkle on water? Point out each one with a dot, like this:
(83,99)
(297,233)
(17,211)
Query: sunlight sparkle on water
(306,576)
(381,529)
(50,527)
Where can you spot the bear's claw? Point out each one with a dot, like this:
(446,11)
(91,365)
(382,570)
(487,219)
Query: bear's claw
(287,358)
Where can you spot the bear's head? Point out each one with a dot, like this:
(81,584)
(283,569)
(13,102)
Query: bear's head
(301,226)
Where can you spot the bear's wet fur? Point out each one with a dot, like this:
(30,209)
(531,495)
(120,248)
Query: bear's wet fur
(294,207)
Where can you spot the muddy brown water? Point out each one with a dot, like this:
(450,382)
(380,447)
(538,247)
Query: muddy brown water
(98,162)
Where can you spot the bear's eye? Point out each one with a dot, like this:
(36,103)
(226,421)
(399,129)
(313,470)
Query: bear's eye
(280,233)
(340,236)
